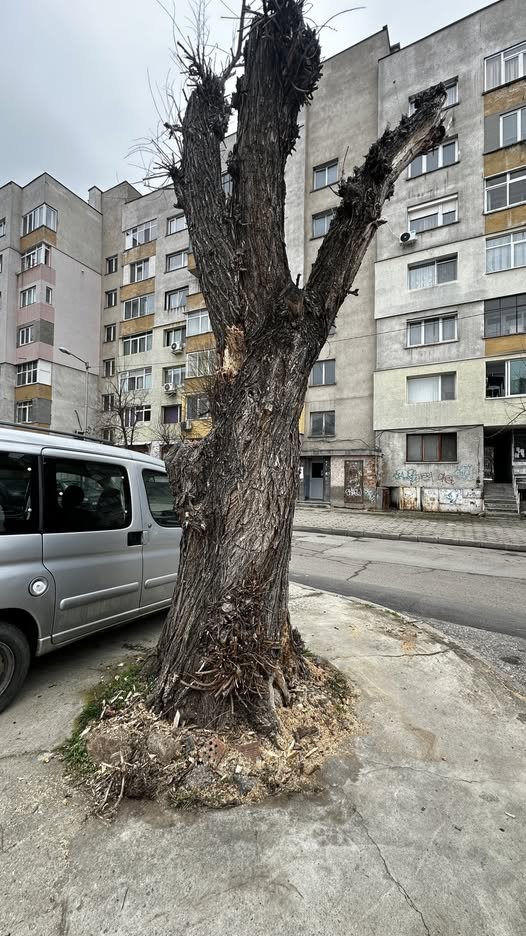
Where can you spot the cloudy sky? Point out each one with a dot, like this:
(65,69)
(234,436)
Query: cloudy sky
(76,75)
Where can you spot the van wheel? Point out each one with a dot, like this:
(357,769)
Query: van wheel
(15,657)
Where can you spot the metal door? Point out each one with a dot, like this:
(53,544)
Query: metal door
(353,481)
(489,462)
(92,541)
(161,540)
(316,480)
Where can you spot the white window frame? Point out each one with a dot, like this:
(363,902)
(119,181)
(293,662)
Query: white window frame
(325,168)
(27,373)
(112,264)
(140,270)
(505,184)
(140,234)
(435,264)
(517,113)
(202,413)
(439,207)
(132,344)
(412,323)
(24,411)
(25,335)
(200,317)
(137,414)
(49,295)
(136,308)
(514,238)
(176,224)
(110,332)
(43,216)
(177,293)
(518,50)
(135,380)
(34,257)
(437,379)
(441,164)
(174,335)
(108,402)
(175,375)
(507,378)
(325,216)
(109,367)
(201,363)
(183,254)
(227,183)
(28,296)
(111,298)
(2,227)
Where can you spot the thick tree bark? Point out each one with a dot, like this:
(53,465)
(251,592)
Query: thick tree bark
(227,649)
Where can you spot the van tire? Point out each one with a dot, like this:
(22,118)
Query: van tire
(15,657)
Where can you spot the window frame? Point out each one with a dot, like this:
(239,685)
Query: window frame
(176,228)
(517,113)
(328,216)
(507,378)
(323,367)
(227,183)
(109,367)
(136,413)
(489,312)
(108,402)
(439,204)
(441,164)
(133,308)
(435,263)
(42,214)
(176,253)
(147,336)
(135,236)
(27,369)
(324,433)
(412,323)
(430,377)
(112,264)
(202,414)
(508,173)
(25,406)
(30,291)
(19,332)
(203,362)
(521,46)
(110,297)
(169,336)
(2,227)
(512,241)
(430,461)
(179,370)
(324,167)
(136,375)
(37,252)
(144,267)
(193,317)
(110,330)
(172,406)
(175,292)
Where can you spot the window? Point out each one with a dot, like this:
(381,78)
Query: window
(138,379)
(197,406)
(433,273)
(140,271)
(325,175)
(24,413)
(43,215)
(321,222)
(322,424)
(136,308)
(506,189)
(512,127)
(2,227)
(172,414)
(137,414)
(1,262)
(25,335)
(174,336)
(49,295)
(451,87)
(176,261)
(137,344)
(431,447)
(200,363)
(109,367)
(141,234)
(432,330)
(505,66)
(444,155)
(18,493)
(111,298)
(176,300)
(28,296)
(198,322)
(109,332)
(176,224)
(174,375)
(226,183)
(112,264)
(108,435)
(434,214)
(160,497)
(83,496)
(505,316)
(26,373)
(108,402)
(506,378)
(506,252)
(32,258)
(431,388)
(323,372)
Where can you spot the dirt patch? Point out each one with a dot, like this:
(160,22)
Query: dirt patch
(124,750)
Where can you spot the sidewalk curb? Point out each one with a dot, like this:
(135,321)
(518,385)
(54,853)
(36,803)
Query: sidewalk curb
(411,538)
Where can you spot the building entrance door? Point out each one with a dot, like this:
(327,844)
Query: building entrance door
(353,480)
(316,480)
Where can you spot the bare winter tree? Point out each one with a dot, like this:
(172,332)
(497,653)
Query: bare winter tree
(227,648)
(121,411)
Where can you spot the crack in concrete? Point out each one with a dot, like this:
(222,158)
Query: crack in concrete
(395,655)
(359,571)
(391,876)
(432,773)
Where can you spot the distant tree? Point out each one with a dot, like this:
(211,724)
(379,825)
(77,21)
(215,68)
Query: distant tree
(121,410)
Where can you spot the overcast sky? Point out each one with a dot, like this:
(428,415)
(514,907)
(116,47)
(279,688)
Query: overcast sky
(75,75)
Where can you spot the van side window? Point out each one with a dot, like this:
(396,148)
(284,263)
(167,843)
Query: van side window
(85,495)
(160,498)
(18,493)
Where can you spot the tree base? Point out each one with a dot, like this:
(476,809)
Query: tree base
(133,753)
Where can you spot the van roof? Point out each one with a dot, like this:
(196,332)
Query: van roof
(29,441)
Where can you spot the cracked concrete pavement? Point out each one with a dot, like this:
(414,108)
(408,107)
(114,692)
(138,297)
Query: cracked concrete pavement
(418,828)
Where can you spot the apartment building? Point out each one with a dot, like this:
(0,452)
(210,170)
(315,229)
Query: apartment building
(450,295)
(49,299)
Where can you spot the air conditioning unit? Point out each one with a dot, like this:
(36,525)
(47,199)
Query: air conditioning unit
(170,388)
(407,237)
(176,346)
(186,425)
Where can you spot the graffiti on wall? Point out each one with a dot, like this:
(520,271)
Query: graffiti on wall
(462,472)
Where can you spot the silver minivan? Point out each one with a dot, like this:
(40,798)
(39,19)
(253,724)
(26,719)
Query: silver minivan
(88,540)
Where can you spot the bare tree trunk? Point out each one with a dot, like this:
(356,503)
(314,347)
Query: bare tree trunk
(227,649)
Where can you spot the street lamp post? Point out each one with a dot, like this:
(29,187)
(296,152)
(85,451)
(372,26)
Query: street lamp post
(86,365)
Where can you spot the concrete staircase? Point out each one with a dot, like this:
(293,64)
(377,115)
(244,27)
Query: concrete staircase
(500,503)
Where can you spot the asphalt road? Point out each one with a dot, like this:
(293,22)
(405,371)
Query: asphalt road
(477,595)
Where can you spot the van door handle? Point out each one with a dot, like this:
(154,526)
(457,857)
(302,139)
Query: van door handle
(135,538)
